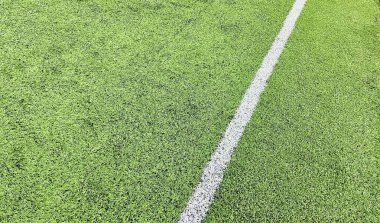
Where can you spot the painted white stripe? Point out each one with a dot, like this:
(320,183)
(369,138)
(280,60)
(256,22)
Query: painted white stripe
(213,173)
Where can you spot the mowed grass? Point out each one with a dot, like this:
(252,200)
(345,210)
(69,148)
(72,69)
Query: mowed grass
(110,109)
(311,152)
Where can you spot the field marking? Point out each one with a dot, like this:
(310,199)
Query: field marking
(203,195)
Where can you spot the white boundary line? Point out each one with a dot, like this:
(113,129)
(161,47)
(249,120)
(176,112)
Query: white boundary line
(212,176)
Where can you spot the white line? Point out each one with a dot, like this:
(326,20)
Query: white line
(213,173)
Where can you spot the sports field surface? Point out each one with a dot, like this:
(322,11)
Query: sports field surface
(111,110)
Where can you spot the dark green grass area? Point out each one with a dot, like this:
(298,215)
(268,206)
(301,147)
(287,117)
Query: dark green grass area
(110,109)
(311,151)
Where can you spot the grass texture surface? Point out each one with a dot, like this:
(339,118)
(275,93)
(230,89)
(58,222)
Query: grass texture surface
(311,152)
(110,109)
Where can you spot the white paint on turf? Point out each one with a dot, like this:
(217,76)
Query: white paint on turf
(213,173)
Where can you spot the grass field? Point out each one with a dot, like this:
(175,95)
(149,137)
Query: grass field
(109,110)
(309,154)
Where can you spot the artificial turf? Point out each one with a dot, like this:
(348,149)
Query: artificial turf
(109,109)
(311,152)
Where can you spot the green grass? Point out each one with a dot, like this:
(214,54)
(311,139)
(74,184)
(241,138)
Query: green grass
(311,152)
(110,109)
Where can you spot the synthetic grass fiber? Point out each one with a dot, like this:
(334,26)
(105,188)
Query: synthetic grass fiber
(213,172)
(311,151)
(110,109)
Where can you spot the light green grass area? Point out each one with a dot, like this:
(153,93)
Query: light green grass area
(110,109)
(311,151)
